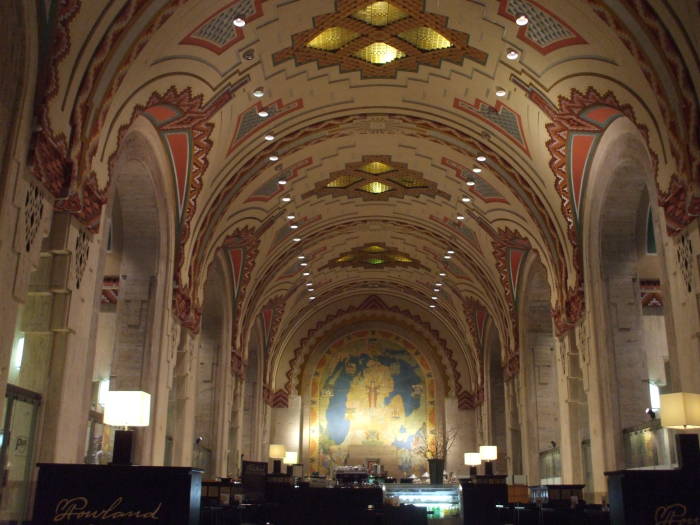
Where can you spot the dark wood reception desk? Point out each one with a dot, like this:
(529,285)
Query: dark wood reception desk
(110,494)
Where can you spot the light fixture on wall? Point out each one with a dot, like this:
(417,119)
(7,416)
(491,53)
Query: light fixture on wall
(126,408)
(488,454)
(473,459)
(680,410)
(276,454)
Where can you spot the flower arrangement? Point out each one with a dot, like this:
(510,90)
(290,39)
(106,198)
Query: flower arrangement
(435,444)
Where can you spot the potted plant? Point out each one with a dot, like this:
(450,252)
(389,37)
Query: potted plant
(434,446)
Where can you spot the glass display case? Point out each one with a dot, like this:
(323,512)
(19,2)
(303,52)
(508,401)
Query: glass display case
(442,502)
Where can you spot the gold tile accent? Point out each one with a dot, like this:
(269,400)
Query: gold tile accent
(379,53)
(332,39)
(374,249)
(345,258)
(375,187)
(425,39)
(343,181)
(374,260)
(410,182)
(376,168)
(403,259)
(380,14)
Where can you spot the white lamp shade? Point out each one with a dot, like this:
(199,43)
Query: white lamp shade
(290,458)
(680,410)
(488,452)
(127,408)
(277,451)
(472,459)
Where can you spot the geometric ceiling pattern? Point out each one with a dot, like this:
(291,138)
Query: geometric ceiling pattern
(373,256)
(380,38)
(376,178)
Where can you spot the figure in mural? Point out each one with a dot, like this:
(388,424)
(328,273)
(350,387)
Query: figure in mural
(380,399)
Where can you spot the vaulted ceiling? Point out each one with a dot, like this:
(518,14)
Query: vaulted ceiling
(419,151)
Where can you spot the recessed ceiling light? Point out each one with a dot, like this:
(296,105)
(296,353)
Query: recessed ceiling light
(291,217)
(500,92)
(436,289)
(300,257)
(466,199)
(306,274)
(273,158)
(438,284)
(269,137)
(450,252)
(311,298)
(286,199)
(512,54)
(282,182)
(311,289)
(521,20)
(238,22)
(447,257)
(476,170)
(442,274)
(432,306)
(309,284)
(296,239)
(434,297)
(481,158)
(470,183)
(294,226)
(259,92)
(460,217)
(303,264)
(262,113)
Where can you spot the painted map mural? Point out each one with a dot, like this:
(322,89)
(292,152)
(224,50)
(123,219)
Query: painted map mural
(372,397)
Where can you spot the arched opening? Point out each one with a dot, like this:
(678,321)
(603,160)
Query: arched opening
(496,398)
(252,446)
(539,380)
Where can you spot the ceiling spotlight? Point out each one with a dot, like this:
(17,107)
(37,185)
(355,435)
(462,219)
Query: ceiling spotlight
(438,284)
(303,264)
(306,274)
(476,170)
(442,274)
(500,92)
(249,54)
(481,158)
(434,297)
(259,92)
(300,257)
(436,289)
(282,182)
(309,284)
(460,217)
(512,54)
(312,298)
(432,306)
(296,239)
(471,182)
(269,137)
(294,226)
(310,289)
(450,252)
(286,199)
(262,113)
(273,158)
(239,22)
(291,217)
(521,20)
(466,199)
(447,257)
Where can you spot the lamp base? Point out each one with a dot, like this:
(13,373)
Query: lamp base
(277,466)
(472,472)
(123,447)
(488,468)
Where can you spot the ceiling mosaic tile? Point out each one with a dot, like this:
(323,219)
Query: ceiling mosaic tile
(378,39)
(373,255)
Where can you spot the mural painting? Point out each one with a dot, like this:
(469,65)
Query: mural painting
(372,396)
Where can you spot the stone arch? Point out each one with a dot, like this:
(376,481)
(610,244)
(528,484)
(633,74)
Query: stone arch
(612,225)
(495,396)
(254,444)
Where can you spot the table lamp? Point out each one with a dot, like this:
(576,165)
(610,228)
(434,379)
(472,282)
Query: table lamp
(290,458)
(488,453)
(276,454)
(473,459)
(681,410)
(126,408)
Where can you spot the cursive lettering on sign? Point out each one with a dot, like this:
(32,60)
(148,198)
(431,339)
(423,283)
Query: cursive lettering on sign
(77,509)
(674,515)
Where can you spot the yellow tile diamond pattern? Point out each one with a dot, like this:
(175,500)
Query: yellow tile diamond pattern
(375,187)
(425,39)
(376,168)
(409,182)
(343,181)
(374,249)
(374,260)
(380,14)
(379,53)
(332,39)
